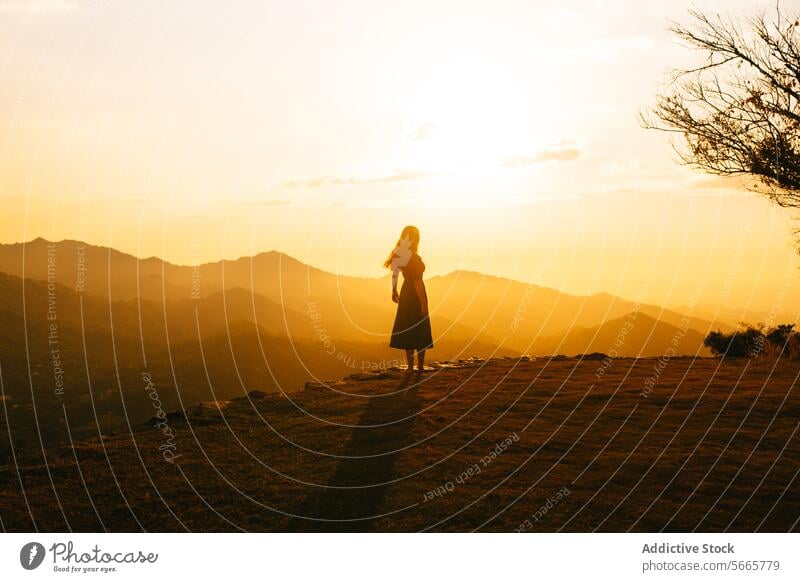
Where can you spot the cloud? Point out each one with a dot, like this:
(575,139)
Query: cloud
(599,50)
(561,154)
(424,132)
(269,202)
(539,198)
(350,181)
(716,183)
(45,7)
(716,186)
(36,5)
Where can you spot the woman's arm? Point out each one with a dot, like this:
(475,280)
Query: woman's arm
(423,300)
(395,273)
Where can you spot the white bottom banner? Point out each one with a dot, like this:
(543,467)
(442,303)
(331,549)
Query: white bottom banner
(389,557)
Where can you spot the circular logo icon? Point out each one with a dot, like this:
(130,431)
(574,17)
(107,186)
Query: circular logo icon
(31,555)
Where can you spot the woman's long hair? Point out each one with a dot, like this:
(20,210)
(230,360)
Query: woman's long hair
(410,232)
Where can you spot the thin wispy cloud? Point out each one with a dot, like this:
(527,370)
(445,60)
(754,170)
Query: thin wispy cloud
(716,183)
(424,132)
(606,49)
(354,181)
(565,154)
(37,5)
(715,186)
(269,202)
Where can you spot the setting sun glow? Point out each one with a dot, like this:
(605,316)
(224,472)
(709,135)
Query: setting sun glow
(506,132)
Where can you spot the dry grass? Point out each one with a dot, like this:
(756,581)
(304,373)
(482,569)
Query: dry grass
(714,447)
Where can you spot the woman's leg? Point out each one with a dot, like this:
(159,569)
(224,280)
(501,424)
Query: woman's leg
(410,360)
(420,360)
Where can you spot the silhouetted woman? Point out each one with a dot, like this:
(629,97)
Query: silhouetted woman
(412,327)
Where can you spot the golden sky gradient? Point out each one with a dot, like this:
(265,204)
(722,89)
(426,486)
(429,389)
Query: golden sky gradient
(507,131)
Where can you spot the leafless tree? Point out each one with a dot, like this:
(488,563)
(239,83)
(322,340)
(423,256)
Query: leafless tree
(738,111)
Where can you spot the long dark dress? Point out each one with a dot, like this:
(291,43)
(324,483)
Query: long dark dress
(412,330)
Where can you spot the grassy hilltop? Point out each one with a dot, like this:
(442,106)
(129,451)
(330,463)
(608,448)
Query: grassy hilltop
(555,444)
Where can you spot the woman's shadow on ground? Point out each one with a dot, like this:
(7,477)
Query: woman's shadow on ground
(353,498)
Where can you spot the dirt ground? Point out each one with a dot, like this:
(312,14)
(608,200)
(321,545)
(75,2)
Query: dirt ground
(501,445)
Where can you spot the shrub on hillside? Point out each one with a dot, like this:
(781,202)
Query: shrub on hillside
(756,341)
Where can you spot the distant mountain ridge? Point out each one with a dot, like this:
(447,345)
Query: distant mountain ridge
(509,311)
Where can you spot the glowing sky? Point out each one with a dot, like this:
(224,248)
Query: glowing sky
(507,131)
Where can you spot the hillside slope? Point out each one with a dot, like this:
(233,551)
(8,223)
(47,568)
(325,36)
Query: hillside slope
(633,335)
(503,445)
(64,355)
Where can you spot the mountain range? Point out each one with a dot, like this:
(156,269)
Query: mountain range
(107,319)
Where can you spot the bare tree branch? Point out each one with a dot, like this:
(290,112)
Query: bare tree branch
(739,111)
